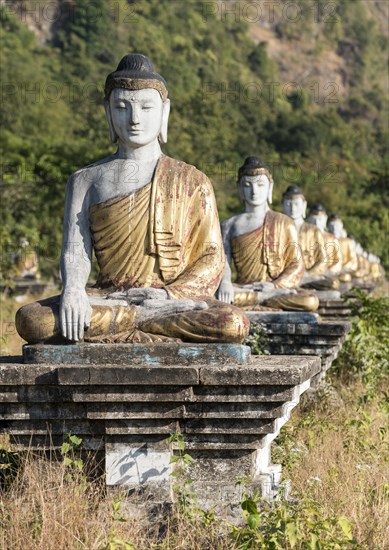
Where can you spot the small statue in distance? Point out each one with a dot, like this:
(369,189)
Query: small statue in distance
(333,257)
(27,262)
(263,246)
(153,224)
(347,248)
(311,241)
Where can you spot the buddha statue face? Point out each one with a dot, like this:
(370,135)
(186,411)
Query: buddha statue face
(137,117)
(336,228)
(255,190)
(295,207)
(320,220)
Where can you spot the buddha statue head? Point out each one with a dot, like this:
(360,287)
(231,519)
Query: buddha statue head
(335,226)
(318,216)
(294,203)
(358,249)
(372,258)
(136,102)
(255,183)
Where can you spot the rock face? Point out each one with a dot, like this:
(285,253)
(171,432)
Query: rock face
(228,414)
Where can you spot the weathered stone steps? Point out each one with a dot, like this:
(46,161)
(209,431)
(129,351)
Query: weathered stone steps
(228,414)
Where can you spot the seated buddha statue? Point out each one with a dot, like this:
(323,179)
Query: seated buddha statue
(377,272)
(333,258)
(263,246)
(347,248)
(27,262)
(311,241)
(153,225)
(364,267)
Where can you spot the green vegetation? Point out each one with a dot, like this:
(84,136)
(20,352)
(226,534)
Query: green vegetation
(53,121)
(365,354)
(334,451)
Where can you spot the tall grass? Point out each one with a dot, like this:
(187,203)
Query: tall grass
(334,450)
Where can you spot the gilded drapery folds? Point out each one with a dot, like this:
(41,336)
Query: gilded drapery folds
(312,247)
(270,253)
(166,235)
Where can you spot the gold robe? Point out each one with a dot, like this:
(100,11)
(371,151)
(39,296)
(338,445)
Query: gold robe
(333,255)
(165,235)
(271,253)
(312,248)
(364,268)
(349,256)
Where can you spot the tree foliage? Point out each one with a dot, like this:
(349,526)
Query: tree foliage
(53,121)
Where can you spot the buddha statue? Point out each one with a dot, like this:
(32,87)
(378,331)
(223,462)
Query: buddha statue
(377,272)
(347,248)
(333,258)
(153,225)
(364,267)
(263,247)
(27,262)
(311,241)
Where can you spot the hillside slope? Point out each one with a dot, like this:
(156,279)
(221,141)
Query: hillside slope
(308,94)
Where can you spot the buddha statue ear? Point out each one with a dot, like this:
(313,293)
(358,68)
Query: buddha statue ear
(112,133)
(270,195)
(162,138)
(305,209)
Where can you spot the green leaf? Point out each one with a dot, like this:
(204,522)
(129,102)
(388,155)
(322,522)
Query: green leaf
(79,463)
(174,459)
(67,461)
(75,440)
(314,540)
(65,448)
(250,506)
(253,521)
(346,527)
(291,533)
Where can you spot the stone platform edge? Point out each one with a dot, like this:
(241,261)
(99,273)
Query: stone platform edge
(263,369)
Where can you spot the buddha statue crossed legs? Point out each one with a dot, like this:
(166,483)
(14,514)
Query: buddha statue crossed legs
(153,224)
(263,246)
(311,240)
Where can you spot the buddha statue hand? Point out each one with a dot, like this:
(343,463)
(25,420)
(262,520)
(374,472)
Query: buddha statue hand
(75,313)
(154,309)
(225,292)
(137,296)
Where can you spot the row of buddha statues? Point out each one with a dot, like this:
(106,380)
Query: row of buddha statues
(279,258)
(165,264)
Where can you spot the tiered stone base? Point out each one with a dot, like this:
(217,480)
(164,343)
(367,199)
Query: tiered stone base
(302,334)
(228,414)
(334,309)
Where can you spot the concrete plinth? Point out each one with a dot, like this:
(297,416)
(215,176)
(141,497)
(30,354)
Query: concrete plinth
(228,414)
(167,353)
(336,309)
(302,336)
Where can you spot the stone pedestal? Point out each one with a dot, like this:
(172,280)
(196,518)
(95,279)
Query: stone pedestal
(228,414)
(298,333)
(337,308)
